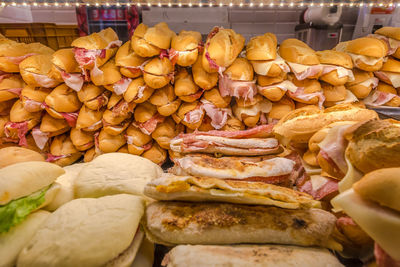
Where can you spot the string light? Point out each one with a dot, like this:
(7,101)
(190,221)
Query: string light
(251,3)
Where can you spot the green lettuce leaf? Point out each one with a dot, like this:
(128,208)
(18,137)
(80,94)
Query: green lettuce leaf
(17,210)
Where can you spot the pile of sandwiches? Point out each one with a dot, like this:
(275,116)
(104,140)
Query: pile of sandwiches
(103,96)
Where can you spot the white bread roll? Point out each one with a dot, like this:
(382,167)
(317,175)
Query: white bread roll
(22,179)
(12,242)
(66,182)
(14,154)
(85,232)
(115,173)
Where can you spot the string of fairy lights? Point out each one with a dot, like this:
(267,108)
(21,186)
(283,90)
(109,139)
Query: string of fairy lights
(240,3)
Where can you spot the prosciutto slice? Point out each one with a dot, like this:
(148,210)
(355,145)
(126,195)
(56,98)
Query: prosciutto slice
(4,76)
(15,91)
(149,126)
(307,97)
(219,116)
(341,72)
(303,72)
(73,80)
(123,108)
(17,60)
(378,98)
(393,78)
(319,187)
(333,146)
(121,86)
(243,89)
(52,158)
(86,57)
(195,115)
(44,80)
(22,130)
(40,137)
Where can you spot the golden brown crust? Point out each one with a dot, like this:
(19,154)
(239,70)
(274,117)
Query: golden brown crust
(82,140)
(395,101)
(63,99)
(53,126)
(332,57)
(392,32)
(201,77)
(374,145)
(281,108)
(65,60)
(215,97)
(156,154)
(334,93)
(367,46)
(381,186)
(240,70)
(110,143)
(391,65)
(62,145)
(144,112)
(262,47)
(223,48)
(296,51)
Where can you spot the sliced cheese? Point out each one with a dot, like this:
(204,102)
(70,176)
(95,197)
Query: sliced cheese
(365,59)
(350,98)
(394,78)
(353,175)
(264,107)
(317,181)
(381,224)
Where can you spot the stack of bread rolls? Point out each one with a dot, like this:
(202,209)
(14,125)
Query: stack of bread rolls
(103,96)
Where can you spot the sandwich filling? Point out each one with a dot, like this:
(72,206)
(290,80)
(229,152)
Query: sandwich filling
(389,77)
(21,128)
(392,44)
(121,86)
(300,94)
(195,115)
(218,116)
(240,89)
(17,210)
(40,137)
(263,67)
(70,117)
(379,98)
(150,125)
(303,72)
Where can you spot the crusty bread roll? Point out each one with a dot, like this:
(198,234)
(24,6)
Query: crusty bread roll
(296,51)
(36,71)
(240,70)
(110,143)
(33,97)
(89,119)
(336,58)
(380,186)
(138,91)
(186,45)
(53,127)
(281,108)
(12,155)
(386,88)
(93,97)
(157,73)
(310,86)
(266,88)
(165,100)
(333,93)
(10,87)
(81,140)
(374,145)
(246,255)
(115,173)
(63,60)
(262,47)
(214,96)
(106,39)
(221,49)
(110,75)
(363,83)
(300,124)
(393,33)
(62,99)
(189,114)
(185,88)
(165,131)
(201,77)
(137,141)
(128,61)
(156,154)
(12,53)
(63,150)
(367,53)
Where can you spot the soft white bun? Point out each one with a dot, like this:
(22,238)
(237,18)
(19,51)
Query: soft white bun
(22,179)
(115,173)
(12,242)
(66,182)
(85,232)
(14,154)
